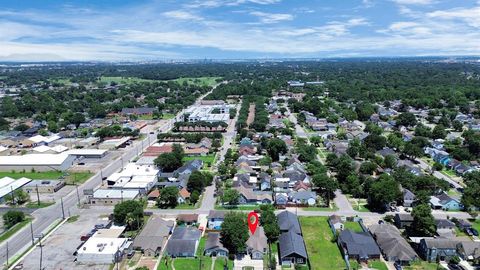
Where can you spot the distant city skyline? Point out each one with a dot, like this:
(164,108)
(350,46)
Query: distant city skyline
(121,30)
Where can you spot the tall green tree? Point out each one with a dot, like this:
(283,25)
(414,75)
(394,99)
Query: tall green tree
(276,147)
(234,232)
(423,222)
(131,209)
(168,197)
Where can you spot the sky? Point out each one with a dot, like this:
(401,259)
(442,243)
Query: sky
(144,30)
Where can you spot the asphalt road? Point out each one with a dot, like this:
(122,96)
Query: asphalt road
(438,174)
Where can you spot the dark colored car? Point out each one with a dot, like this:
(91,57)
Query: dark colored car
(99,226)
(397,266)
(474,231)
(468,231)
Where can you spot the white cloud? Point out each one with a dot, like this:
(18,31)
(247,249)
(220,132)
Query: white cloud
(414,2)
(182,15)
(271,17)
(471,16)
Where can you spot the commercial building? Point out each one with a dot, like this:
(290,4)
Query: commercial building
(44,186)
(87,153)
(37,162)
(134,177)
(112,196)
(104,247)
(112,144)
(208,113)
(8,185)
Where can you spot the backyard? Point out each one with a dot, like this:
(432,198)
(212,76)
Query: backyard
(208,159)
(323,253)
(200,262)
(353,226)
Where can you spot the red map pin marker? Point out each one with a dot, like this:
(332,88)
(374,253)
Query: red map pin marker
(252,222)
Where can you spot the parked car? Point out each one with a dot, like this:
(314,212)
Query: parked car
(474,231)
(397,266)
(99,226)
(468,231)
(130,254)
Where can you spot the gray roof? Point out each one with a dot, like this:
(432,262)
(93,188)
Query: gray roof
(141,110)
(440,243)
(288,221)
(183,240)
(216,214)
(289,243)
(303,195)
(404,217)
(442,223)
(360,244)
(258,240)
(213,241)
(391,242)
(154,234)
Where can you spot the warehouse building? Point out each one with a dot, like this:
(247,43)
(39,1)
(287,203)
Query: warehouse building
(134,177)
(112,196)
(37,162)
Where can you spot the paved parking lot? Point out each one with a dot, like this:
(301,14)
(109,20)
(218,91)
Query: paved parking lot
(58,249)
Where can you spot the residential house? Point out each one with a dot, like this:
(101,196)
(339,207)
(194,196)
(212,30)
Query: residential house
(214,247)
(215,219)
(392,245)
(249,196)
(291,244)
(403,220)
(190,167)
(187,219)
(183,196)
(336,222)
(288,222)
(469,250)
(257,245)
(138,111)
(408,198)
(358,245)
(292,249)
(445,202)
(153,236)
(444,224)
(304,197)
(438,249)
(183,242)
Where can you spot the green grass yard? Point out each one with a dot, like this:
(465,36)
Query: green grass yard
(34,204)
(70,177)
(208,159)
(476,225)
(332,207)
(353,226)
(422,265)
(354,265)
(238,207)
(8,233)
(322,251)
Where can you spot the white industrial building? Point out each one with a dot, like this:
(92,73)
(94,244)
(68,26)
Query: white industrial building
(8,185)
(37,162)
(104,247)
(87,153)
(112,196)
(205,113)
(112,144)
(134,176)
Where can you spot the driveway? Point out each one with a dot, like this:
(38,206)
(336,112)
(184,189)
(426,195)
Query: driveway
(341,201)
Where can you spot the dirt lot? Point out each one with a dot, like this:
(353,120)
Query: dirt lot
(251,114)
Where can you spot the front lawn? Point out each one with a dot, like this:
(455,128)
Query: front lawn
(353,226)
(422,265)
(322,250)
(332,207)
(77,178)
(237,207)
(208,160)
(476,225)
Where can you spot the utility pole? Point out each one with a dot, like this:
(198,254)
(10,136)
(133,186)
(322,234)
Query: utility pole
(63,210)
(38,196)
(78,195)
(31,231)
(41,251)
(7,253)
